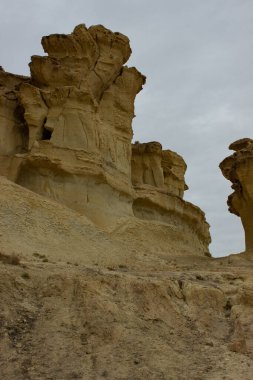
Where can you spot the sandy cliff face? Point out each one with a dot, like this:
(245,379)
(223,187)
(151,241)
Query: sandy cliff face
(12,128)
(158,180)
(71,142)
(238,168)
(78,108)
(104,268)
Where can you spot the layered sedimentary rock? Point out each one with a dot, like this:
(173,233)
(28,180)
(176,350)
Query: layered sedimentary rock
(76,303)
(158,180)
(159,168)
(78,109)
(12,128)
(67,136)
(238,168)
(62,321)
(138,297)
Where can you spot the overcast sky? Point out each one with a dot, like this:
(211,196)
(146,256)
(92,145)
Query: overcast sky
(198,59)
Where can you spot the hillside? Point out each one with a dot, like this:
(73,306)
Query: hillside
(105,268)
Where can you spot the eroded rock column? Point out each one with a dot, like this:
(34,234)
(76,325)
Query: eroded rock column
(78,108)
(238,168)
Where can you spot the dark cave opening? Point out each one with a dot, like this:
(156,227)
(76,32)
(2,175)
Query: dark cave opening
(46,134)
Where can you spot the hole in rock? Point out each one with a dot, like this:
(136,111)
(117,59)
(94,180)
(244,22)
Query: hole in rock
(46,134)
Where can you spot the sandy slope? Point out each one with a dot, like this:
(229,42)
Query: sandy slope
(84,304)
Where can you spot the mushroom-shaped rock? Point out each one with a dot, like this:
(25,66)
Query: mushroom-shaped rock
(240,144)
(238,168)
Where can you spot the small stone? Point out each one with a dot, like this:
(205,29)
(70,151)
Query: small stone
(238,346)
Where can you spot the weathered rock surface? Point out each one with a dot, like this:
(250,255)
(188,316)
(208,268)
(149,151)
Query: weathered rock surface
(163,169)
(238,168)
(78,108)
(80,303)
(73,143)
(12,129)
(158,180)
(104,268)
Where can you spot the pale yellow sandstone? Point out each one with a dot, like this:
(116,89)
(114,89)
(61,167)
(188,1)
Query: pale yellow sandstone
(105,269)
(238,168)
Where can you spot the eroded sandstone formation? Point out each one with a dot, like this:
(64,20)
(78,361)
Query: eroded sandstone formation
(163,169)
(158,180)
(238,168)
(138,297)
(78,109)
(12,128)
(67,134)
